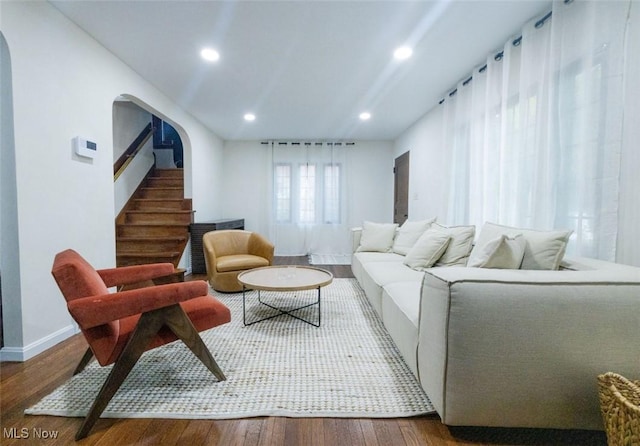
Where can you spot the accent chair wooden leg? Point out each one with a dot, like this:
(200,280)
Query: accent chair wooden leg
(86,358)
(148,325)
(181,325)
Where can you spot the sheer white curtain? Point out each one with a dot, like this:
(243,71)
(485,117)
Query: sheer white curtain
(309,198)
(534,138)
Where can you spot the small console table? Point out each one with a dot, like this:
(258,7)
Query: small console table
(197,230)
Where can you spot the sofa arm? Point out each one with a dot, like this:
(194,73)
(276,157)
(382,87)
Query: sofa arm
(356,234)
(93,311)
(522,348)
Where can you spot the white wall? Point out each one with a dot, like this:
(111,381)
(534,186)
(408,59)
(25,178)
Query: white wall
(427,177)
(64,85)
(128,182)
(128,121)
(204,182)
(371,178)
(246,182)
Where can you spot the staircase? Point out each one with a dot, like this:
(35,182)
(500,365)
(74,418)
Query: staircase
(154,225)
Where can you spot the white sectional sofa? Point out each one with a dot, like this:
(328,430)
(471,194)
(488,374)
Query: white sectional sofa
(508,347)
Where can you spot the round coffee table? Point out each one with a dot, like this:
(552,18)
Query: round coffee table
(285,279)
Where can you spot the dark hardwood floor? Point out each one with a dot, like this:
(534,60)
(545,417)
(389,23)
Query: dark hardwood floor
(23,384)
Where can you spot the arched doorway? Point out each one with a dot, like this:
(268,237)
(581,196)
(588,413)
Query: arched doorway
(10,294)
(153,214)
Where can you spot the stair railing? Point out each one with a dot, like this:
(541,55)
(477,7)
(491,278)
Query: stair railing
(125,159)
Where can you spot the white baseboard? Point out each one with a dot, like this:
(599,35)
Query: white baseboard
(21,354)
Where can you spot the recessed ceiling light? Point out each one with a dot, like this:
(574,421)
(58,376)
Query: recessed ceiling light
(249,117)
(209,54)
(365,116)
(402,53)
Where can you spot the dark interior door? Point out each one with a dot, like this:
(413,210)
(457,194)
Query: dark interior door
(401,189)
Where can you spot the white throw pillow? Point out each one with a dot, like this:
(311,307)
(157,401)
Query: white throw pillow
(427,250)
(408,234)
(544,249)
(377,237)
(503,253)
(460,245)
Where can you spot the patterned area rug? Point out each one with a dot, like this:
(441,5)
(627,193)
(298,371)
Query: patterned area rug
(349,367)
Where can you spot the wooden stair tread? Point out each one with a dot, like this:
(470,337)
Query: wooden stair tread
(163,187)
(170,171)
(150,238)
(147,254)
(159,211)
(181,225)
(162,200)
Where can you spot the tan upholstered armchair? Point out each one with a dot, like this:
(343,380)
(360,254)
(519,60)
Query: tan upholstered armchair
(228,253)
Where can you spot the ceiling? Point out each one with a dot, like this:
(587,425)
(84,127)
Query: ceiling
(305,68)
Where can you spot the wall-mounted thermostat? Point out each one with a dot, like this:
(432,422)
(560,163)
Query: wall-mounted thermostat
(84,148)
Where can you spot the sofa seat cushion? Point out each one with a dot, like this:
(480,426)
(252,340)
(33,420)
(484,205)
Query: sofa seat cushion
(372,276)
(238,262)
(366,257)
(384,273)
(406,296)
(359,259)
(400,316)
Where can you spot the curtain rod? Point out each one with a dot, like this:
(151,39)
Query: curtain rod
(309,143)
(498,57)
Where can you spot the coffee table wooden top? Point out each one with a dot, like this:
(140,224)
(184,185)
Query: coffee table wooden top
(285,278)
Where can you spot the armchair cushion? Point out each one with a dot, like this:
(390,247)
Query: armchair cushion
(240,262)
(76,277)
(205,312)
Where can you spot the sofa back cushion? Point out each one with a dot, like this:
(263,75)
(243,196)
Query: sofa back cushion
(503,253)
(459,246)
(377,237)
(408,234)
(427,250)
(544,250)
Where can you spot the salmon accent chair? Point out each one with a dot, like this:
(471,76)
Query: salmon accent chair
(120,326)
(229,252)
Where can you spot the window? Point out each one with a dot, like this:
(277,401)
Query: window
(332,193)
(310,197)
(307,193)
(283,192)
